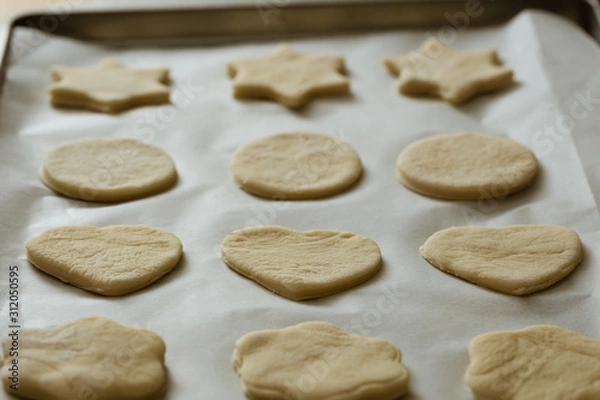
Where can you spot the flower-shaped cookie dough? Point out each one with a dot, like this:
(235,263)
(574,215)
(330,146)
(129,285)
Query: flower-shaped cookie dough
(108,87)
(540,362)
(88,358)
(454,76)
(288,77)
(318,361)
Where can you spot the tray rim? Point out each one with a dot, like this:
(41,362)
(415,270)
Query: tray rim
(147,10)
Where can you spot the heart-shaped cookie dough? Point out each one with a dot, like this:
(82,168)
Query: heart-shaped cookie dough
(318,361)
(540,362)
(518,259)
(88,358)
(112,261)
(301,265)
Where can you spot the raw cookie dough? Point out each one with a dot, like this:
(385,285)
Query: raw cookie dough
(108,169)
(301,265)
(318,361)
(111,261)
(466,166)
(454,76)
(288,77)
(518,259)
(88,358)
(541,362)
(295,166)
(108,87)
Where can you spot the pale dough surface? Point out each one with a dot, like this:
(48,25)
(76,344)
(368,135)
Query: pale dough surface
(542,362)
(108,169)
(295,166)
(288,77)
(318,361)
(301,264)
(454,76)
(88,358)
(466,166)
(517,259)
(108,87)
(111,261)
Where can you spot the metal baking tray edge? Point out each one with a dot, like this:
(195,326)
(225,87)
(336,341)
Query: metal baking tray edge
(218,20)
(266,18)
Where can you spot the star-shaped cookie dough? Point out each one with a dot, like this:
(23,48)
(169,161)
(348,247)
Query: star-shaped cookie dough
(288,77)
(108,87)
(452,75)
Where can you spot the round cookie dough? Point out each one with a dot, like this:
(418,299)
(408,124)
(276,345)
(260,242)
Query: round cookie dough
(108,169)
(517,259)
(301,265)
(88,358)
(295,166)
(539,362)
(466,166)
(111,261)
(318,361)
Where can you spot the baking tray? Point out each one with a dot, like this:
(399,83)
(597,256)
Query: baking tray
(238,20)
(234,20)
(440,355)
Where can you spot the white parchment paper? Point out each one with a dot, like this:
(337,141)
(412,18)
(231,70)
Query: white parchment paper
(202,307)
